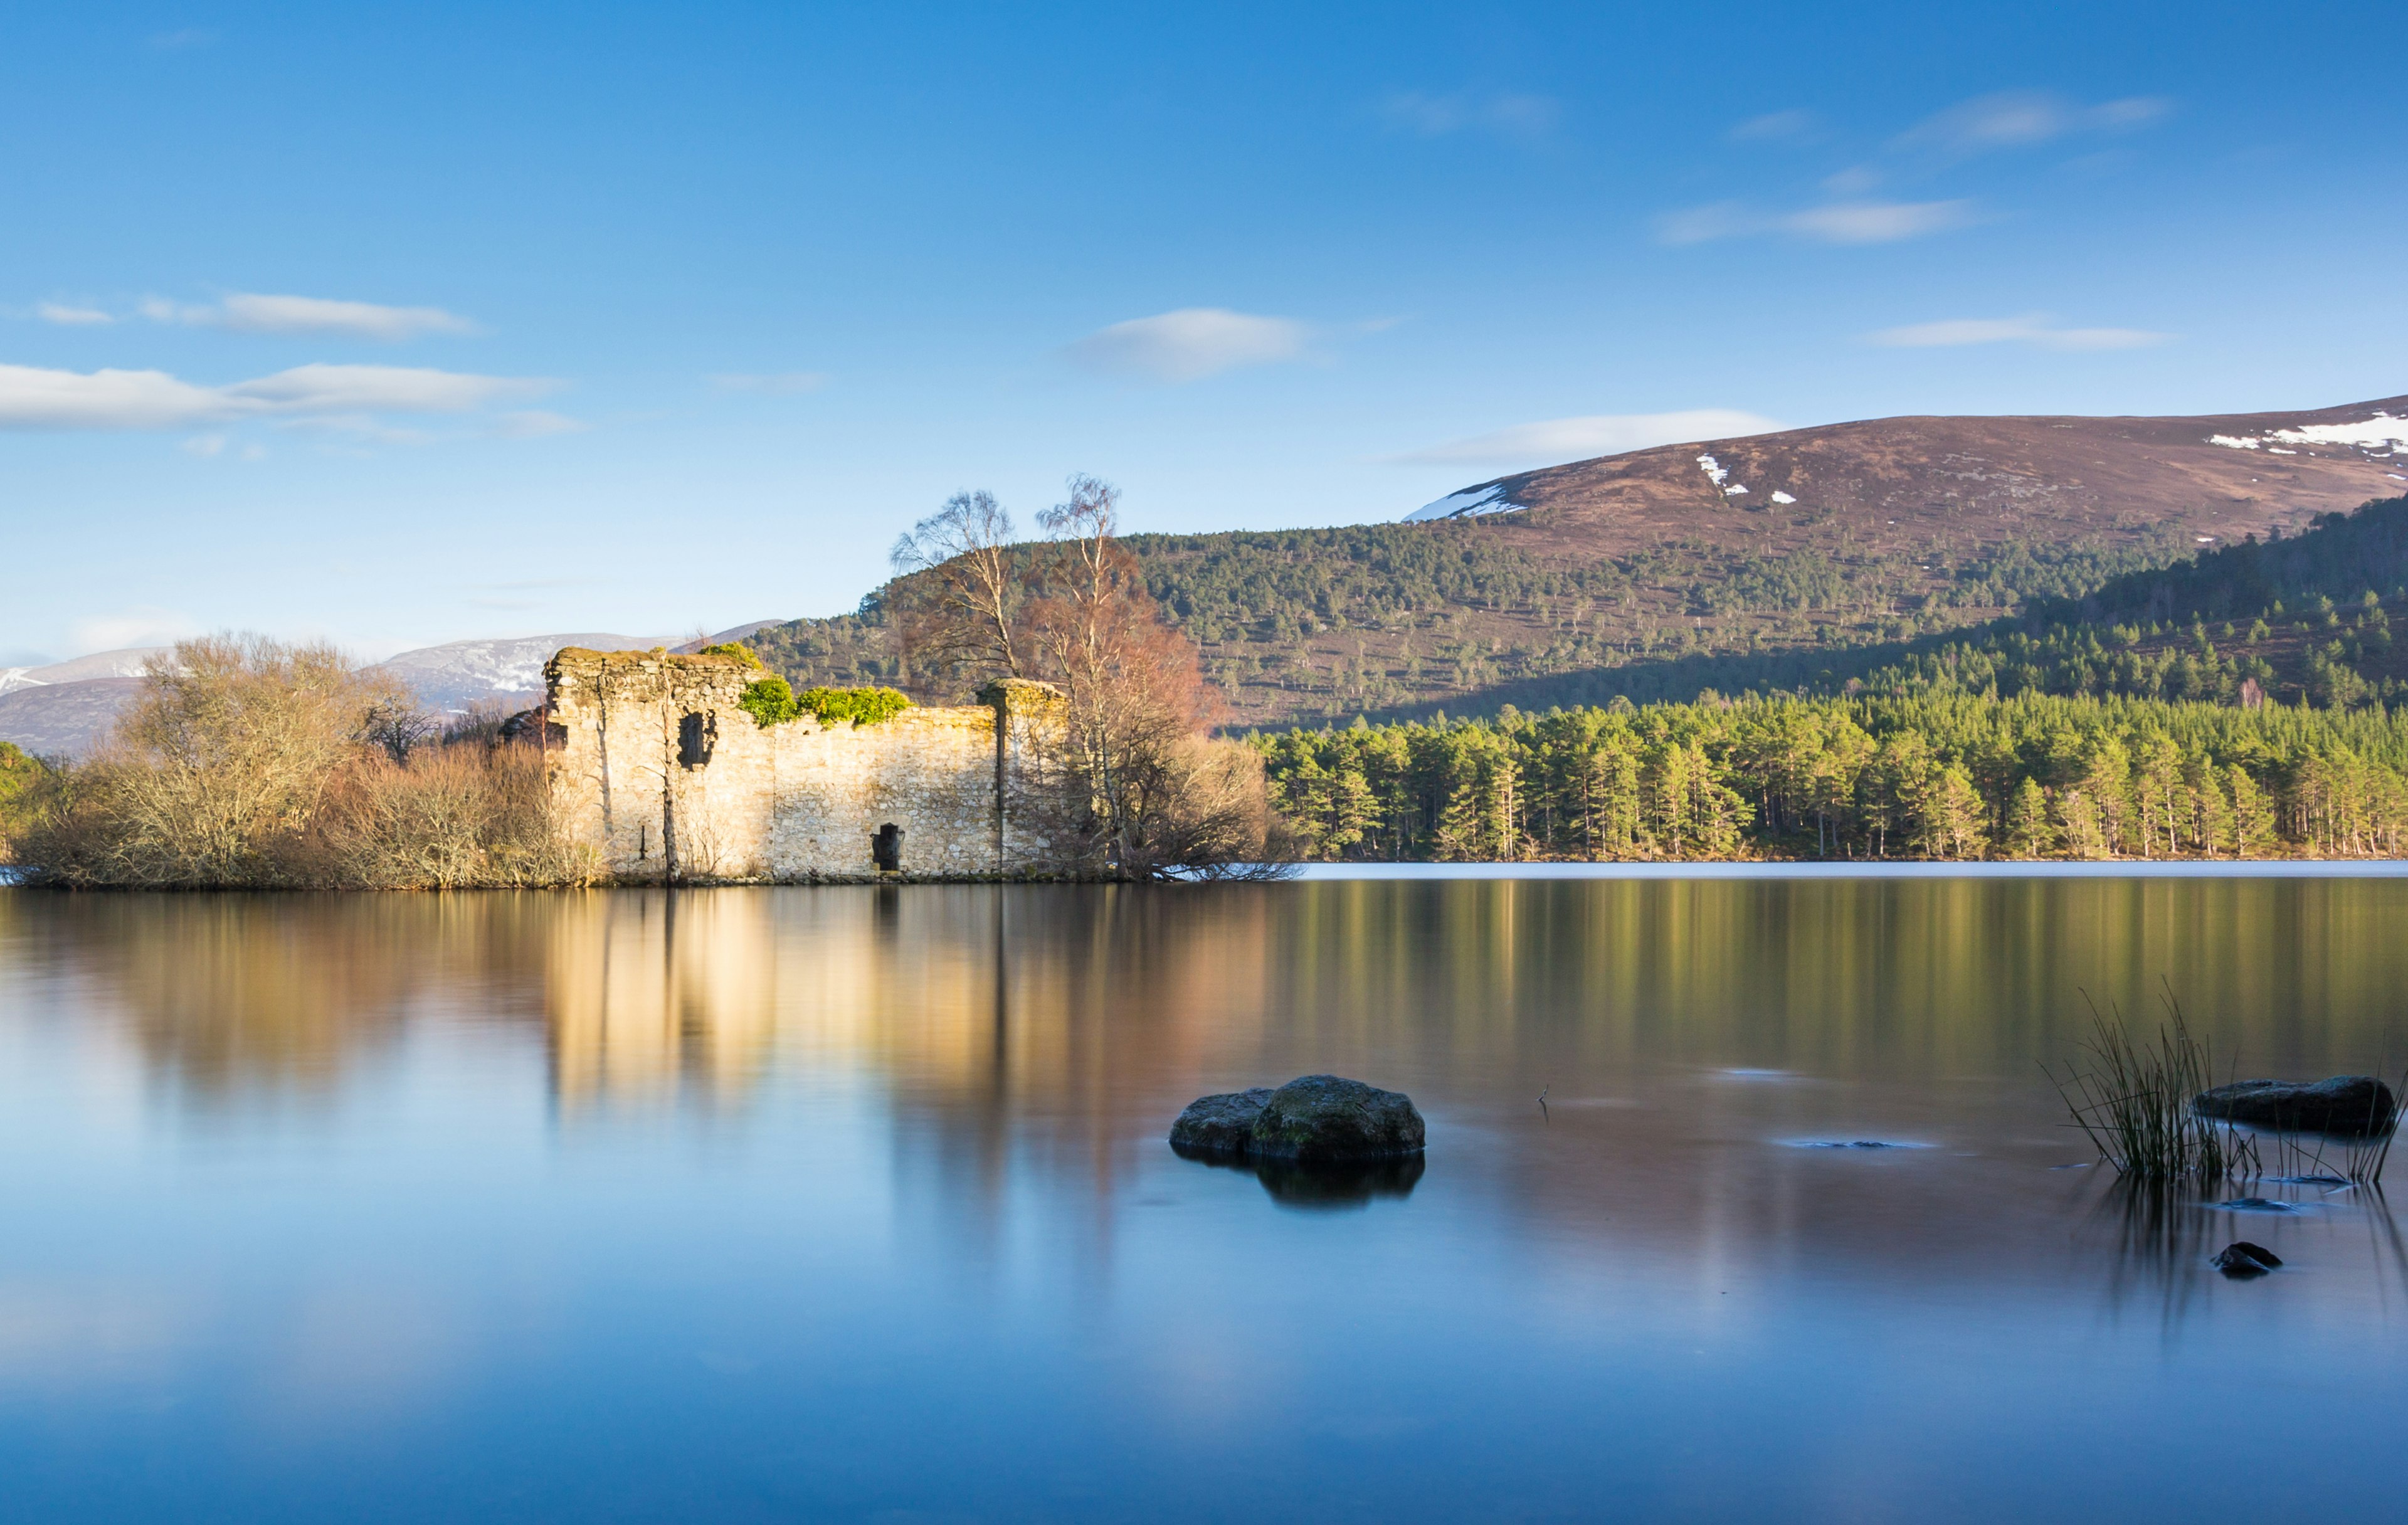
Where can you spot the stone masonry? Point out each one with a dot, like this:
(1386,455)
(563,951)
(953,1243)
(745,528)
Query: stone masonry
(652,760)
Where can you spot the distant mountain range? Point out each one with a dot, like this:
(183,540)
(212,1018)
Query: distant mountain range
(66,708)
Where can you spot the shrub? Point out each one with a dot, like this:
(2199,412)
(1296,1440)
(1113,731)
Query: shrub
(771,701)
(862,706)
(244,762)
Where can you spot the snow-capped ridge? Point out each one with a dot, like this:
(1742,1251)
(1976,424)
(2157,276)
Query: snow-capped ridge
(1470,503)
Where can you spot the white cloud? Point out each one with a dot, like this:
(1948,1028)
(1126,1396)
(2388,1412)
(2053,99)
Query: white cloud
(2018,119)
(1877,221)
(1506,113)
(35,398)
(206,445)
(1598,433)
(251,312)
(784,383)
(179,41)
(61,312)
(1704,224)
(376,389)
(1189,344)
(1839,222)
(1773,126)
(2036,328)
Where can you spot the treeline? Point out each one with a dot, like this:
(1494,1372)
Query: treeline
(1953,776)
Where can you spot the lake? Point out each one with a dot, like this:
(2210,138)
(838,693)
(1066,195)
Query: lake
(854,1204)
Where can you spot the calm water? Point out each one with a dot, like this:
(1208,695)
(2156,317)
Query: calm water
(853,1204)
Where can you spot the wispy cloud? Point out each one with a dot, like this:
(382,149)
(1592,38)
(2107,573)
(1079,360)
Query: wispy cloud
(2037,329)
(143,624)
(183,40)
(35,398)
(1504,113)
(1189,344)
(1860,222)
(783,383)
(70,315)
(1775,127)
(1598,434)
(253,312)
(2020,118)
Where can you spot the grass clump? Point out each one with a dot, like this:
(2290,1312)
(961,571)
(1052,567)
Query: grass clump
(2134,1101)
(772,701)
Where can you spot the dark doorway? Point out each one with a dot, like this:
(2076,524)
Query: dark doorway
(886,848)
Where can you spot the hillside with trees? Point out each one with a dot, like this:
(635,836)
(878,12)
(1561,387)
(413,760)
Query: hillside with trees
(1855,548)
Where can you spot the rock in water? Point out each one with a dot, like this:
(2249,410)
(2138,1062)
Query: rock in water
(2359,1104)
(1220,1125)
(1322,1117)
(2241,1259)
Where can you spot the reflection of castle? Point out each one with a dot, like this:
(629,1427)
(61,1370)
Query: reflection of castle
(646,995)
(962,1002)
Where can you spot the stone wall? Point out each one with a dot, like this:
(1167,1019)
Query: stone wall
(655,763)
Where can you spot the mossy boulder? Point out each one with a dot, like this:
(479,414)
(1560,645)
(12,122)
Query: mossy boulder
(2351,1104)
(1316,1119)
(1220,1125)
(1325,1117)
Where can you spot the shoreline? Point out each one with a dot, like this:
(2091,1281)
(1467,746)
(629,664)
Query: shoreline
(2327,868)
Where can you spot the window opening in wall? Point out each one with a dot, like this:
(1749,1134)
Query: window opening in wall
(696,734)
(886,848)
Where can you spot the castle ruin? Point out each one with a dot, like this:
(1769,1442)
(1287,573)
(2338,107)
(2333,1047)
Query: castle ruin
(653,761)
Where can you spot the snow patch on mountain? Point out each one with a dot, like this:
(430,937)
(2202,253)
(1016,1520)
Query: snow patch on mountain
(1468,504)
(118,664)
(459,673)
(2377,436)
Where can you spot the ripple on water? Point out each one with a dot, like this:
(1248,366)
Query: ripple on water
(1852,1144)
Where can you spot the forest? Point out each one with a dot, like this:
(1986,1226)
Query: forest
(1956,776)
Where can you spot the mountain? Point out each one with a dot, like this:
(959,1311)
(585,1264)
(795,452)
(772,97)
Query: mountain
(1796,556)
(1909,483)
(118,664)
(509,672)
(50,720)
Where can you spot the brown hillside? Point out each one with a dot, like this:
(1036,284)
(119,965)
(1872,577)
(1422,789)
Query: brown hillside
(1905,483)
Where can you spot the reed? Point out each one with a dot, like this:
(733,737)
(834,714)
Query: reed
(2133,1100)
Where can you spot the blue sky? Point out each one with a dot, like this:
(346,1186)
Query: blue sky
(401,324)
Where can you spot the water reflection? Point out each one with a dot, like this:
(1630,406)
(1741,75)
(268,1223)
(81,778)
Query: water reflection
(1326,1185)
(854,1201)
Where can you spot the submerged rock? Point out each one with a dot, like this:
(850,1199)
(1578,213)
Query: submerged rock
(1220,1125)
(2356,1105)
(2241,1260)
(1321,1118)
(1314,1118)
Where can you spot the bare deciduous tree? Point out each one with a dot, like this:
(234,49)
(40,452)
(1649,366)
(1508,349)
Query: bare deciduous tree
(960,601)
(244,761)
(1158,794)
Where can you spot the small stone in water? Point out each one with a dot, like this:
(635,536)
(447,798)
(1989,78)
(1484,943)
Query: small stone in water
(2241,1260)
(2255,1205)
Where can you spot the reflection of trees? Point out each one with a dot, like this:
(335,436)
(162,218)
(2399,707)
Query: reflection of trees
(1048,1034)
(234,992)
